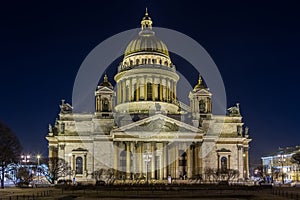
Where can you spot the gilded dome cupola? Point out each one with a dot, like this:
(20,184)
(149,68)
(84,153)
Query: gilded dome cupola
(146,76)
(147,48)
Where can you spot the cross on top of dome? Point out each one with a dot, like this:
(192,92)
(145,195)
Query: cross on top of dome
(146,22)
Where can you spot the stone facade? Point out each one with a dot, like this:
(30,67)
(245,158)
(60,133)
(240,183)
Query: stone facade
(142,130)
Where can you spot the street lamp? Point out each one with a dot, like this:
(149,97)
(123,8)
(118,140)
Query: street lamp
(25,158)
(38,166)
(281,159)
(147,158)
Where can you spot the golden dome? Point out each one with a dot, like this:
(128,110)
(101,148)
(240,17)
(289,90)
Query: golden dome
(146,41)
(200,84)
(106,83)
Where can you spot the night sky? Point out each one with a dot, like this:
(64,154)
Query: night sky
(255,45)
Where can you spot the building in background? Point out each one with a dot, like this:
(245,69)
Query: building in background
(141,128)
(280,166)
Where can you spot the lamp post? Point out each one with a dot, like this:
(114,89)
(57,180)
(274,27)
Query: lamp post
(281,159)
(147,158)
(25,158)
(38,166)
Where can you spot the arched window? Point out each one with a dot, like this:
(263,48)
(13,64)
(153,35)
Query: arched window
(105,105)
(158,92)
(134,92)
(149,91)
(201,106)
(131,62)
(79,165)
(223,163)
(137,61)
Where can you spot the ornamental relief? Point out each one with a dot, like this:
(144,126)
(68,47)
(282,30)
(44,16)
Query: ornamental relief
(159,125)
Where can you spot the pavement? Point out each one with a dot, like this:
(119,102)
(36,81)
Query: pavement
(59,194)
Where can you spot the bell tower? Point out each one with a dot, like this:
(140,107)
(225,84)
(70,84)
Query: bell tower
(200,103)
(105,99)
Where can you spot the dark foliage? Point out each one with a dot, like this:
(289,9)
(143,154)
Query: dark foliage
(10,149)
(57,168)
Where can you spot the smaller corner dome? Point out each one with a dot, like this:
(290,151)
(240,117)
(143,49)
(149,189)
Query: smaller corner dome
(106,83)
(200,84)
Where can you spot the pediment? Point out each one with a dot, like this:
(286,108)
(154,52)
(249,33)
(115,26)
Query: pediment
(203,92)
(104,90)
(223,150)
(80,149)
(158,123)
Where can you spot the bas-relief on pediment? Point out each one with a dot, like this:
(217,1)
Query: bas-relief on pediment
(159,125)
(105,89)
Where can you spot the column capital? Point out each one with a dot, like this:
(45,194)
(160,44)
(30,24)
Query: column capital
(246,148)
(239,146)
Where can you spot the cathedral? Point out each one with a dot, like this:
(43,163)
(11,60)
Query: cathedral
(140,127)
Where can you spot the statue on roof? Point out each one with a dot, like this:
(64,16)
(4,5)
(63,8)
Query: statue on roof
(65,108)
(247,130)
(50,128)
(234,111)
(157,107)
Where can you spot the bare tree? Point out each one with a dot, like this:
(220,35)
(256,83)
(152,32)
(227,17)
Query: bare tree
(97,174)
(107,175)
(10,149)
(221,175)
(232,174)
(12,170)
(57,168)
(209,173)
(24,176)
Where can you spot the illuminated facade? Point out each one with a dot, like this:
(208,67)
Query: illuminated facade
(143,119)
(280,166)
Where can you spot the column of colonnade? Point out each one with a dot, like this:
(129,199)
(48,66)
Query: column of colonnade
(189,160)
(163,89)
(153,160)
(160,89)
(128,160)
(165,160)
(246,162)
(169,159)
